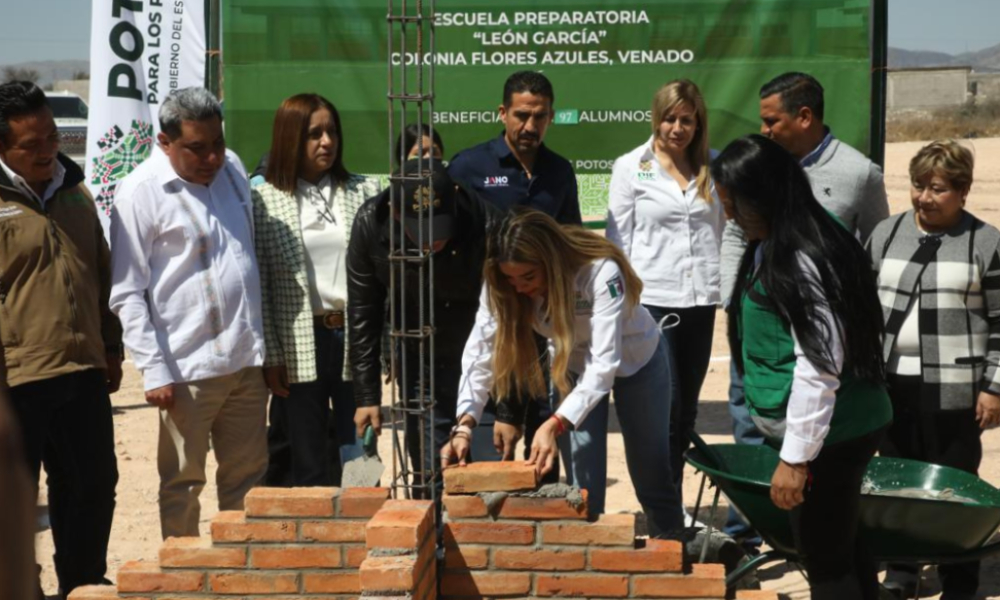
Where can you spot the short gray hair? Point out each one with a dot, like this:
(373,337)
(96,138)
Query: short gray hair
(188,104)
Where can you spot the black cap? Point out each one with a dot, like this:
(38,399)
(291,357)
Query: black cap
(416,201)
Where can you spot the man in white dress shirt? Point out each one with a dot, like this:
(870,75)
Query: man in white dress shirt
(187,290)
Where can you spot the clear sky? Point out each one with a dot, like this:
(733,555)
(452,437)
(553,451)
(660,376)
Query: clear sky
(60,29)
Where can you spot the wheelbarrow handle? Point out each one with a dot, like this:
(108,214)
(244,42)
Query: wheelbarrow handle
(712,458)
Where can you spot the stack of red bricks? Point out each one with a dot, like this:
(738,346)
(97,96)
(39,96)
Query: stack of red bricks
(541,547)
(402,552)
(321,543)
(288,542)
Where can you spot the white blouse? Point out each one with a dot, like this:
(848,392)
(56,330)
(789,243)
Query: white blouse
(610,340)
(671,235)
(321,218)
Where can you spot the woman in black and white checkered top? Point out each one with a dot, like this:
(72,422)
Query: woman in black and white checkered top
(939,285)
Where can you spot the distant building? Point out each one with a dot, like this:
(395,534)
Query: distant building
(927,88)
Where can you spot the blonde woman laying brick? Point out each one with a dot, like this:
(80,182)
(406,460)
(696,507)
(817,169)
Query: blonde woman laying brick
(577,289)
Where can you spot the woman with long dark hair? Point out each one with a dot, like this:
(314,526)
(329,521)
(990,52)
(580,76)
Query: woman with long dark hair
(805,331)
(303,215)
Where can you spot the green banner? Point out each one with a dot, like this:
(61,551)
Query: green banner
(605,60)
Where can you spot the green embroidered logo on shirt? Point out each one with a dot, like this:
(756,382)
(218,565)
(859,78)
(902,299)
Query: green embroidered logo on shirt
(615,286)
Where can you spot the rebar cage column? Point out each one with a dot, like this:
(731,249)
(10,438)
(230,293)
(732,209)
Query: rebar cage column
(410,98)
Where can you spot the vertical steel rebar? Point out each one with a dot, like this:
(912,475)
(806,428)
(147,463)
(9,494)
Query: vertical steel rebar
(411,342)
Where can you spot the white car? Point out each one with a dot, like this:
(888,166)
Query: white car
(70,112)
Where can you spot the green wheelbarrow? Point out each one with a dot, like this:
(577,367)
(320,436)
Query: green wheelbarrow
(920,530)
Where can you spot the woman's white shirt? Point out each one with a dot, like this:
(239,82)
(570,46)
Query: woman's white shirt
(671,235)
(325,243)
(610,340)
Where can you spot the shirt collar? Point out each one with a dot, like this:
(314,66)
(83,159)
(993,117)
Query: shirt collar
(304,185)
(503,151)
(165,172)
(650,152)
(813,157)
(58,176)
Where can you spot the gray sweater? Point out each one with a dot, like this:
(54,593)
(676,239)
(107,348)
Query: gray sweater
(845,182)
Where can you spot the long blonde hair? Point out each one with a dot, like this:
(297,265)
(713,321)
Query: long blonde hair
(530,237)
(669,97)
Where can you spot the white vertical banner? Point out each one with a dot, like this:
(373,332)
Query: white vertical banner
(140,51)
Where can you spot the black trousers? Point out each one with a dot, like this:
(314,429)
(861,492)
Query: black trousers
(66,425)
(949,438)
(689,349)
(825,526)
(424,447)
(307,430)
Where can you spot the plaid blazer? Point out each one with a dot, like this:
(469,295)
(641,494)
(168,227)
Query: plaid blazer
(288,316)
(957,276)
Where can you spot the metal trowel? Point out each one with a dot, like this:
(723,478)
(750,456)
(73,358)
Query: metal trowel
(364,471)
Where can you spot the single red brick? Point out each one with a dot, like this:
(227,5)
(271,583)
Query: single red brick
(354,556)
(397,527)
(505,476)
(331,583)
(708,570)
(542,509)
(659,556)
(756,595)
(677,586)
(199,552)
(404,504)
(488,532)
(361,502)
(464,507)
(539,559)
(231,526)
(333,531)
(485,583)
(590,586)
(608,530)
(291,502)
(94,592)
(139,576)
(466,557)
(253,583)
(427,586)
(389,574)
(295,557)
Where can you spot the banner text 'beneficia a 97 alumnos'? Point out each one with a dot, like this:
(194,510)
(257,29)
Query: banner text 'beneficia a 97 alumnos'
(140,51)
(605,63)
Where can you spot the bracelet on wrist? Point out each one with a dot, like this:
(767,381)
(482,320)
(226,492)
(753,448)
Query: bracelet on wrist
(461,430)
(560,428)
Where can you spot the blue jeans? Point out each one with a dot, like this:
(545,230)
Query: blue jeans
(642,402)
(744,432)
(314,425)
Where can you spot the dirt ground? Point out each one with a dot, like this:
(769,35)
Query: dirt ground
(136,533)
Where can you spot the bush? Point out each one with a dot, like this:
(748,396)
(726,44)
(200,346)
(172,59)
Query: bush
(972,120)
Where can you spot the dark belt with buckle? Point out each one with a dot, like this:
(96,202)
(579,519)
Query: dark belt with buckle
(331,320)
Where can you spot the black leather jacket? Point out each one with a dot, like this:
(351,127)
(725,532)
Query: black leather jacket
(458,270)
